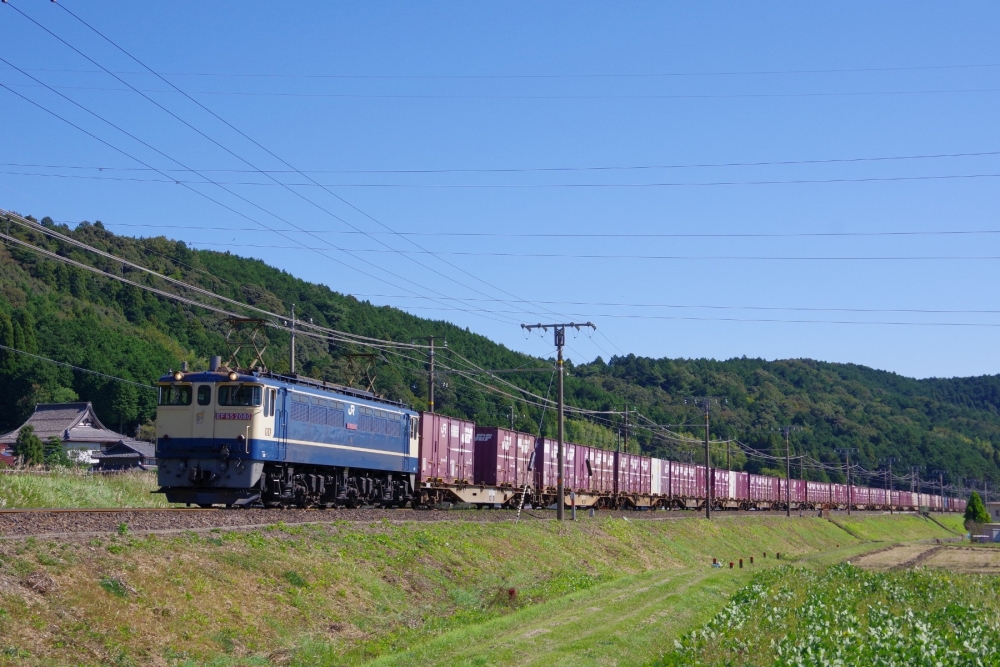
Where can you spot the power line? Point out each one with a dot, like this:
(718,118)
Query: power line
(265,149)
(579,75)
(77,368)
(716,307)
(587,235)
(193,128)
(512,186)
(202,194)
(528,97)
(505,170)
(542,255)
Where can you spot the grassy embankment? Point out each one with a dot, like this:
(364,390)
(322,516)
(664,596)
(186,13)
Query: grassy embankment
(78,488)
(409,593)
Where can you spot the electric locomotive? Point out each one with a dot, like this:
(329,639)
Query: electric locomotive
(250,438)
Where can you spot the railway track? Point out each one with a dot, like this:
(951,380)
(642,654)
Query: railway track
(69,522)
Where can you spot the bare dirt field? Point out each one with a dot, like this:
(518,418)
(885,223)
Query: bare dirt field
(967,558)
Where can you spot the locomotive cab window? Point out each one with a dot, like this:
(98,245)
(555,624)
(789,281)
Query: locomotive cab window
(175,394)
(242,395)
(204,394)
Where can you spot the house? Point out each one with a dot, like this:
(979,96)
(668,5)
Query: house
(75,424)
(125,455)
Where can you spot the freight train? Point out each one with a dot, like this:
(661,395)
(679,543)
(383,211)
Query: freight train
(255,438)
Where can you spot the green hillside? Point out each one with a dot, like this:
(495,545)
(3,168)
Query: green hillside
(81,318)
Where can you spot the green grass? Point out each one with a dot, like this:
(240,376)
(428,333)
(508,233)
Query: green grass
(892,528)
(847,616)
(347,593)
(78,488)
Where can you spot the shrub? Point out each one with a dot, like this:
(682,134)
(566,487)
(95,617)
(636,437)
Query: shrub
(975,513)
(28,447)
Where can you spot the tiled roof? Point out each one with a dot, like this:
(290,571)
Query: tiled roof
(70,422)
(128,448)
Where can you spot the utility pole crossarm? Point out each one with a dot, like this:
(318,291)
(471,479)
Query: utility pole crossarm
(559,331)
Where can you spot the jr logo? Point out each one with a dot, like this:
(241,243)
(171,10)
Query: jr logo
(350,409)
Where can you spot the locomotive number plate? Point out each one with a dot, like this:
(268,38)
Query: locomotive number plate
(233,415)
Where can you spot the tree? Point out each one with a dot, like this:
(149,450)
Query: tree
(8,359)
(55,453)
(28,447)
(975,513)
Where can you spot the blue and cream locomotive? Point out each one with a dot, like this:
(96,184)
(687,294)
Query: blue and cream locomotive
(242,438)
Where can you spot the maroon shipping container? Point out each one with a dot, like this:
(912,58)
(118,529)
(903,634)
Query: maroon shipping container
(862,495)
(700,476)
(839,494)
(446,449)
(502,456)
(742,485)
(600,476)
(796,493)
(877,497)
(632,473)
(547,464)
(763,488)
(682,481)
(817,493)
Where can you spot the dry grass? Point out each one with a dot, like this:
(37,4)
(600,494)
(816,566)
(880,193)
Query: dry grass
(336,593)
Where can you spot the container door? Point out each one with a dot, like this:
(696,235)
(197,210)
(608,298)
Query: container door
(203,419)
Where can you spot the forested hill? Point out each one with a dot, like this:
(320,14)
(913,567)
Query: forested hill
(66,313)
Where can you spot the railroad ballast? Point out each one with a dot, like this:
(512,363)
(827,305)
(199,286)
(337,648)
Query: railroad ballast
(255,438)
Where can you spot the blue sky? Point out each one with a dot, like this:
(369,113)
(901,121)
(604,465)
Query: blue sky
(408,114)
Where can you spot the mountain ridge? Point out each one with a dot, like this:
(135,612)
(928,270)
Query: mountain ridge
(92,321)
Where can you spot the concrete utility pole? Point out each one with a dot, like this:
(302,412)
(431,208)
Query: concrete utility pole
(706,403)
(940,475)
(430,375)
(291,349)
(512,415)
(850,496)
(625,438)
(559,331)
(786,431)
(889,460)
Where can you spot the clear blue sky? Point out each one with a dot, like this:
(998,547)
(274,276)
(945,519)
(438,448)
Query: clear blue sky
(356,88)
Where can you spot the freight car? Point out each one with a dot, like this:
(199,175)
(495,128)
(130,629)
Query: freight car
(254,438)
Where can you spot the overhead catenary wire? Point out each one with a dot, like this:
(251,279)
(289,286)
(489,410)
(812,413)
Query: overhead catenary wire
(269,152)
(198,192)
(529,97)
(513,186)
(77,368)
(633,256)
(343,336)
(504,170)
(167,156)
(553,75)
(584,235)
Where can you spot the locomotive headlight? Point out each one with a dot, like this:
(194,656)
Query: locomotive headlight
(233,376)
(178,376)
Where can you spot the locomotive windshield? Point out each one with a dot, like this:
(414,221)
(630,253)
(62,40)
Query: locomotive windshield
(239,395)
(175,394)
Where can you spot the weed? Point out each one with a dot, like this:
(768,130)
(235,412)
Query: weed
(123,528)
(116,587)
(295,579)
